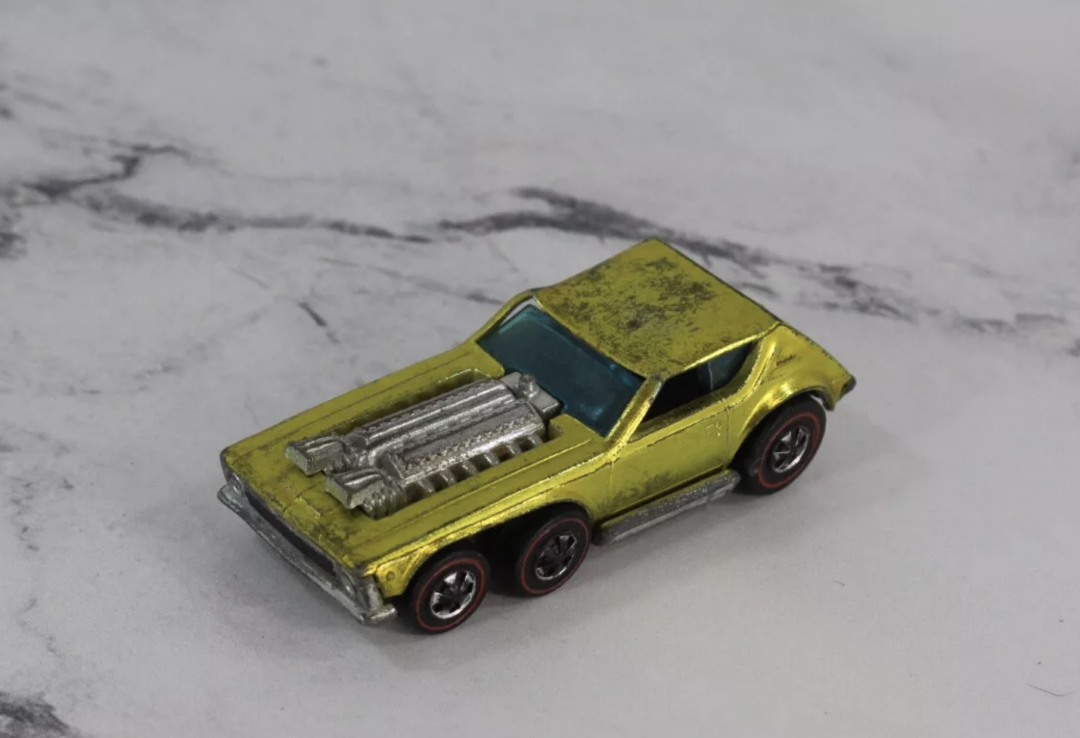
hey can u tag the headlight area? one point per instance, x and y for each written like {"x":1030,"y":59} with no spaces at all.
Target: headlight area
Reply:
{"x":359,"y":595}
{"x":365,"y":592}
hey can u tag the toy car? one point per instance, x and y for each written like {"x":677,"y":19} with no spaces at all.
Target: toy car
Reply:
{"x":580,"y":413}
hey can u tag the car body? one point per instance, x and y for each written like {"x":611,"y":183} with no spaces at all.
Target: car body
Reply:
{"x":619,"y":397}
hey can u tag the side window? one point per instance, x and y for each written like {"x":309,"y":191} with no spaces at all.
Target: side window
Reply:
{"x":702,"y":380}
{"x":724,"y":368}
{"x":680,"y":390}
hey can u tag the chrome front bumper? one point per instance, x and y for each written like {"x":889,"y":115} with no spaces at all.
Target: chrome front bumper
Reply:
{"x":360,"y":596}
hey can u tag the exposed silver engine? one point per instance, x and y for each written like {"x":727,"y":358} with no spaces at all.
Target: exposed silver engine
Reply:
{"x":382,"y":466}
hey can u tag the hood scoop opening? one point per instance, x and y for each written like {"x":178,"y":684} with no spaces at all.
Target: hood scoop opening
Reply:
{"x":382,"y":466}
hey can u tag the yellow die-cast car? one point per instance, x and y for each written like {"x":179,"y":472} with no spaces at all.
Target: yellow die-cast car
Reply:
{"x":580,"y":413}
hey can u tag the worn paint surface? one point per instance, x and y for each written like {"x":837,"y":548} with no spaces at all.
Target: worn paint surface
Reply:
{"x":653,"y":310}
{"x":649,"y":307}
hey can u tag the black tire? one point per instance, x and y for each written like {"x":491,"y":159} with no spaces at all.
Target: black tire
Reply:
{"x":447,"y":590}
{"x":550,"y":548}
{"x":782,"y":447}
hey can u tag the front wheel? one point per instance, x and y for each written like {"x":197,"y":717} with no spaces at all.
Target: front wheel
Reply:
{"x":448,"y":590}
{"x":782,"y":448}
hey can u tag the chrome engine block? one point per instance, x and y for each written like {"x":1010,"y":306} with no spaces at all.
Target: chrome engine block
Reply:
{"x":382,"y":466}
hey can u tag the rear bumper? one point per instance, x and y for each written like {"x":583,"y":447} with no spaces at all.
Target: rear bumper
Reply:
{"x":848,"y":387}
{"x":360,"y":596}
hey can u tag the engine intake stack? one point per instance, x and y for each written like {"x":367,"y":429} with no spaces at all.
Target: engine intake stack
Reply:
{"x":382,"y":466}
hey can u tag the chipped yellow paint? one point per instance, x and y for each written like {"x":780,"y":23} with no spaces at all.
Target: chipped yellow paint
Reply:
{"x":649,"y":308}
{"x":654,"y":311}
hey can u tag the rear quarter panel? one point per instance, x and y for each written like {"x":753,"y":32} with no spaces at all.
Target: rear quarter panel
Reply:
{"x":791,"y":364}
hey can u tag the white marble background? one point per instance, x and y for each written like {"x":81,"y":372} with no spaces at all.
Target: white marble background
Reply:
{"x":215,"y":214}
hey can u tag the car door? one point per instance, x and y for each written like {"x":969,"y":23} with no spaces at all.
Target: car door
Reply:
{"x":684,"y":436}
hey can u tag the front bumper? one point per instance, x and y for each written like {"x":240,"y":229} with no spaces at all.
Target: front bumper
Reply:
{"x":360,"y":596}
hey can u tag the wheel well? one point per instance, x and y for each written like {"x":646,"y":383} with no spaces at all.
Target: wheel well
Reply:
{"x":496,"y":536}
{"x":552,"y":507}
{"x":814,"y":393}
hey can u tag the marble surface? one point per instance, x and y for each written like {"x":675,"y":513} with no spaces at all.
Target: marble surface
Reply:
{"x":216,"y":214}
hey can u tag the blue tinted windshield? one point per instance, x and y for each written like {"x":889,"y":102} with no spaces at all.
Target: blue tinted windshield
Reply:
{"x":591,"y":387}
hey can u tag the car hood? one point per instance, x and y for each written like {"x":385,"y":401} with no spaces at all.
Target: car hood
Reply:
{"x":352,"y":536}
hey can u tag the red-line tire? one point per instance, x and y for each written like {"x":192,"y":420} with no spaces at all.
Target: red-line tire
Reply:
{"x":549,"y":551}
{"x":782,"y":447}
{"x":447,"y":590}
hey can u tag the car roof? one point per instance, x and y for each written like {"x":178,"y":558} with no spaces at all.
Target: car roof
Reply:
{"x":654,"y":311}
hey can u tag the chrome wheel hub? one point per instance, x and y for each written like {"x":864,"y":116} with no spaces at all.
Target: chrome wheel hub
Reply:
{"x":453,"y":593}
{"x":556,"y":556}
{"x":789,"y":449}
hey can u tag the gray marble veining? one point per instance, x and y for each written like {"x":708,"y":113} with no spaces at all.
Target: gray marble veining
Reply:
{"x":203,"y":205}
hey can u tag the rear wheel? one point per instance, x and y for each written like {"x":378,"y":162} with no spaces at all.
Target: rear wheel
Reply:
{"x":447,"y":591}
{"x":781,"y":449}
{"x":549,"y":550}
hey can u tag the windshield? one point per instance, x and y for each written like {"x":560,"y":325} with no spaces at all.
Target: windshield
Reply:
{"x":591,"y":387}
